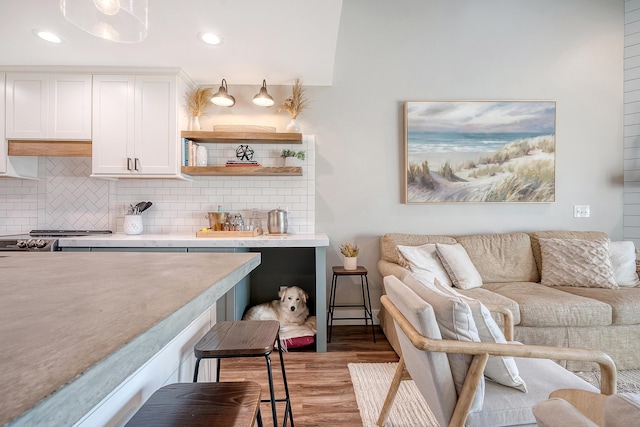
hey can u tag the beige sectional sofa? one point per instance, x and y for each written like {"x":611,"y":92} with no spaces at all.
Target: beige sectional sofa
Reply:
{"x":510,"y":266}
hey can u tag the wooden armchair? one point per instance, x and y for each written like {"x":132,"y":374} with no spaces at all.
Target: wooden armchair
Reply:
{"x":424,"y":359}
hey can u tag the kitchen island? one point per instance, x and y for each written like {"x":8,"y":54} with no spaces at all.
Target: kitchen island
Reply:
{"x":292,"y":259}
{"x":75,"y":326}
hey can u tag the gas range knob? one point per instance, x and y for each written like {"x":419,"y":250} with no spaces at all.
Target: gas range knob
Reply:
{"x":21,"y":244}
{"x":40,"y":243}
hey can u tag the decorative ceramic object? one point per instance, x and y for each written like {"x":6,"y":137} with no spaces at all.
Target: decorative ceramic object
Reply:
{"x":351,"y":263}
{"x":201,"y":156}
{"x":194,"y":124}
{"x":294,"y":126}
{"x":291,"y":161}
{"x":132,"y":224}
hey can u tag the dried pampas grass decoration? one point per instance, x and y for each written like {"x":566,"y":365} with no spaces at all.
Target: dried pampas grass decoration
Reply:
{"x":296,"y":103}
{"x":198,"y":100}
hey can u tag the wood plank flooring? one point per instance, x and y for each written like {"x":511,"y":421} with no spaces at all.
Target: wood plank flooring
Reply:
{"x":319,"y":383}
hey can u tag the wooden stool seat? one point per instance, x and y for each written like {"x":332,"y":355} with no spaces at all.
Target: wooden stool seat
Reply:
{"x":245,"y":338}
{"x":232,"y":404}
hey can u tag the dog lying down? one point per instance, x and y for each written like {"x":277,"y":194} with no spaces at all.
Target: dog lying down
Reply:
{"x":290,"y":310}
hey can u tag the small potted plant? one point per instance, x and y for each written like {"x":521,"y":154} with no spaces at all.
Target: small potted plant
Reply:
{"x":350,"y":252}
{"x":292,"y":157}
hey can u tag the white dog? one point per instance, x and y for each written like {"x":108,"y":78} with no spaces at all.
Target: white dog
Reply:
{"x":291,"y":308}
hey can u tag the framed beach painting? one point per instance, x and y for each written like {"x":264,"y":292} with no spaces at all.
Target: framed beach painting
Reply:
{"x":480,"y":151}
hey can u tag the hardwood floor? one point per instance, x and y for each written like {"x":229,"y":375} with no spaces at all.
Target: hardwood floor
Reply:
{"x":319,"y":383}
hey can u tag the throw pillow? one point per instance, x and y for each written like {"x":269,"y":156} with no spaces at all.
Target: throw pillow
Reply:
{"x":500,"y":369}
{"x":458,"y":265}
{"x":455,"y":322}
{"x":424,"y":263}
{"x":575,"y":262}
{"x":623,"y":259}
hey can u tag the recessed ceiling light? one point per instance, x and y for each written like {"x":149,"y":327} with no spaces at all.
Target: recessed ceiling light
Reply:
{"x":210,"y":38}
{"x":47,"y":36}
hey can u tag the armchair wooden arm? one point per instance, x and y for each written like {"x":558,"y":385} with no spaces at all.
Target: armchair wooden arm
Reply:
{"x":507,"y":317}
{"x":481,"y":353}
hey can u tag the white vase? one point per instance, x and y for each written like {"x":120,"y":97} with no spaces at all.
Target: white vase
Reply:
{"x":201,"y":156}
{"x":291,"y":161}
{"x":194,"y":123}
{"x":294,"y":126}
{"x":132,"y":224}
{"x":351,"y":263}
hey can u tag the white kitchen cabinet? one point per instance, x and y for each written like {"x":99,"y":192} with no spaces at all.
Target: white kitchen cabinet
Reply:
{"x":48,"y":106}
{"x":18,"y":167}
{"x":135,"y":126}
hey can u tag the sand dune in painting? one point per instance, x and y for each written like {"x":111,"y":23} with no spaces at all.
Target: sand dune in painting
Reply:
{"x":521,"y":171}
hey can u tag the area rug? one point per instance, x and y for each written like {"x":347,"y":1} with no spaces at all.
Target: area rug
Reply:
{"x":371,"y":383}
{"x":628,"y":381}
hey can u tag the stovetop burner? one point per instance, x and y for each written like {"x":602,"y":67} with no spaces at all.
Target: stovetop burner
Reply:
{"x":66,"y":233}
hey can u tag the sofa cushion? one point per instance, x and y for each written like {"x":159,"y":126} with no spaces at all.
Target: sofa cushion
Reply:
{"x":576,"y":262}
{"x":624,"y":302}
{"x":389,"y":241}
{"x":504,"y":257}
{"x":583,"y":235}
{"x":461,"y":270}
{"x":492,"y":298}
{"x":424,"y":263}
{"x":543,"y":306}
{"x":623,"y":259}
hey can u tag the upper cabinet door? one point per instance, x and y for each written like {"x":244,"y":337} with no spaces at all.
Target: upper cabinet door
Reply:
{"x":113,"y":125}
{"x":27,"y":106}
{"x":48,"y":106}
{"x":70,"y":107}
{"x":156,"y":141}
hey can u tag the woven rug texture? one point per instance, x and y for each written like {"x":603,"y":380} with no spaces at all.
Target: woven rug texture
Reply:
{"x":371,"y":382}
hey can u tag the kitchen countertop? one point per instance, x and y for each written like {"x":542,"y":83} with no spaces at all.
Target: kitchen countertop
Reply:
{"x":73,"y":326}
{"x":122,"y":240}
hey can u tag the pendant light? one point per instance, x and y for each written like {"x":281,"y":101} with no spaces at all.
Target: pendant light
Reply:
{"x":121,"y":21}
{"x":263,"y":99}
{"x":222,"y":98}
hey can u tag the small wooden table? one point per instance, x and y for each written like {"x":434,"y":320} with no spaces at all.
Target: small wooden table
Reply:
{"x":232,"y":404}
{"x":339,"y":271}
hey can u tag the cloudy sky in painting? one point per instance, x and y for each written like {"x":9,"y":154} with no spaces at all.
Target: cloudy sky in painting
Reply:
{"x":482,"y":116}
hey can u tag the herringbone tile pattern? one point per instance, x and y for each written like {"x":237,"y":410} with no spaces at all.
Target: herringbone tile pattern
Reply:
{"x":73,"y":199}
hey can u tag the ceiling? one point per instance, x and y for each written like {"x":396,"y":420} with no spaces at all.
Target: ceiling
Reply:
{"x":276,"y":40}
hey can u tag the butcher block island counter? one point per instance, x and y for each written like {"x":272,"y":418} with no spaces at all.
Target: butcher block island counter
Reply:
{"x":76,"y":328}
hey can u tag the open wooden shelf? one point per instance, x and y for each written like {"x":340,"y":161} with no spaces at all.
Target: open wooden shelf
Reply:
{"x":225,"y":137}
{"x":242,"y":170}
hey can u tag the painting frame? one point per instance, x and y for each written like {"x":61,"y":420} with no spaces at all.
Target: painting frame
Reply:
{"x":479,"y":151}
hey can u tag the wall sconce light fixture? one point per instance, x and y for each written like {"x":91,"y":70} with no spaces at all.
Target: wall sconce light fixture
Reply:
{"x":222,"y":98}
{"x":263,"y":99}
{"x":113,"y":20}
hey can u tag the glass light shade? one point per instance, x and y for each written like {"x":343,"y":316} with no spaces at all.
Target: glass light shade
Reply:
{"x":222,"y":98}
{"x":122,"y":21}
{"x":263,"y":99}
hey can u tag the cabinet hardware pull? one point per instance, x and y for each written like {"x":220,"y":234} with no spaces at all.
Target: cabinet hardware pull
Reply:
{"x":128,"y":163}
{"x":137,"y":164}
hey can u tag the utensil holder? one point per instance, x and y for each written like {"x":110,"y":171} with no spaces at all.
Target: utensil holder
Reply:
{"x":132,"y":224}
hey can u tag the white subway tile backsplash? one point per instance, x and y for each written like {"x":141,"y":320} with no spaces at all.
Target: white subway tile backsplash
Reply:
{"x":66,"y":197}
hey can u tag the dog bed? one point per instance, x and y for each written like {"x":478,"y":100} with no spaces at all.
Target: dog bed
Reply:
{"x":296,"y":336}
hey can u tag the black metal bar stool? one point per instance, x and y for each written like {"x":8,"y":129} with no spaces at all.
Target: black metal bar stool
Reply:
{"x":366,"y":302}
{"x":245,"y":338}
{"x":231,"y":404}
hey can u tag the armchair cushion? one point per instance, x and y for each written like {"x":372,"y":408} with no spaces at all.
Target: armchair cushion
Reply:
{"x":455,"y":322}
{"x":622,"y":410}
{"x":558,"y":412}
{"x":501,"y":369}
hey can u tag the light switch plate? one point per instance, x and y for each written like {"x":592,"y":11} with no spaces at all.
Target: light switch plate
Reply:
{"x":581,"y":211}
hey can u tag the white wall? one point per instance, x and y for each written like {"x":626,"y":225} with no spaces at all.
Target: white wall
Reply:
{"x":388,"y":52}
